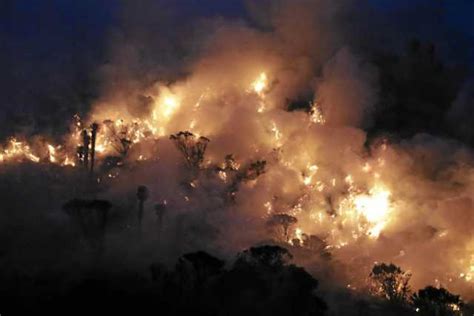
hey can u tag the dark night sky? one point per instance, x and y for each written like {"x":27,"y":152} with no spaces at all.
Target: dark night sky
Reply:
{"x":61,"y":22}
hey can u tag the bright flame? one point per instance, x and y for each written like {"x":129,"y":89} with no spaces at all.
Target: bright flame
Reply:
{"x":375,"y":207}
{"x":69,"y":162}
{"x":308,"y":177}
{"x":299,"y":234}
{"x":52,"y":153}
{"x":165,"y":107}
{"x":17,"y":151}
{"x":260,"y":84}
{"x":170,"y":106}
{"x":332,"y":198}
{"x":317,"y":116}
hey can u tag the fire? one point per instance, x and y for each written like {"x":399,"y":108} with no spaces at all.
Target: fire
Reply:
{"x":166,"y":105}
{"x":276,"y":134}
{"x":299,"y":234}
{"x":375,"y":207}
{"x":17,"y":151}
{"x":170,"y":106}
{"x":259,"y":87}
{"x":308,"y":177}
{"x":69,"y":162}
{"x":260,"y":84}
{"x":467,"y":264}
{"x":370,"y":211}
{"x":52,"y":154}
{"x":344,"y":207}
{"x":316,"y":113}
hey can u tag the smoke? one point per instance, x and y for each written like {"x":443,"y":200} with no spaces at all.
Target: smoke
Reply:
{"x":233,"y":81}
{"x":236,"y":91}
{"x":354,"y":107}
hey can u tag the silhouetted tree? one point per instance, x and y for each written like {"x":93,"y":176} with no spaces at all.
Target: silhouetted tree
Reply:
{"x":230,"y":164}
{"x":261,"y":282}
{"x":267,"y":256}
{"x":192,"y":148}
{"x":94,"y":129}
{"x":437,"y":302}
{"x":121,"y":136}
{"x":228,"y":169}
{"x":255,"y":169}
{"x":83,"y":151}
{"x":390,"y":282}
{"x":251,"y":172}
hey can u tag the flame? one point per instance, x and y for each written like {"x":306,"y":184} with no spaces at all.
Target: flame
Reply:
{"x":375,"y":207}
{"x":170,"y":106}
{"x":17,"y":151}
{"x":307,"y":179}
{"x":260,"y":84}
{"x":276,"y":134}
{"x":369,"y":212}
{"x":467,"y":264}
{"x":259,"y":87}
{"x":317,"y":116}
{"x":166,"y":107}
{"x":69,"y":162}
{"x":52,"y":153}
{"x":299,"y":234}
{"x":356,"y":209}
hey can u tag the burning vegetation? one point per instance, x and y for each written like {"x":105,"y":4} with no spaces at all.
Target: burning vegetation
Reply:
{"x":345,"y":207}
{"x":255,"y":145}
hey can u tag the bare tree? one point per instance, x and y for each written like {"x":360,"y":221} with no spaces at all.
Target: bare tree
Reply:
{"x":192,"y":148}
{"x":251,"y":172}
{"x":86,"y":151}
{"x":120,"y":136}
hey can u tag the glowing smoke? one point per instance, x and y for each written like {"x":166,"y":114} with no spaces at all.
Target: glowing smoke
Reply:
{"x":399,"y":202}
